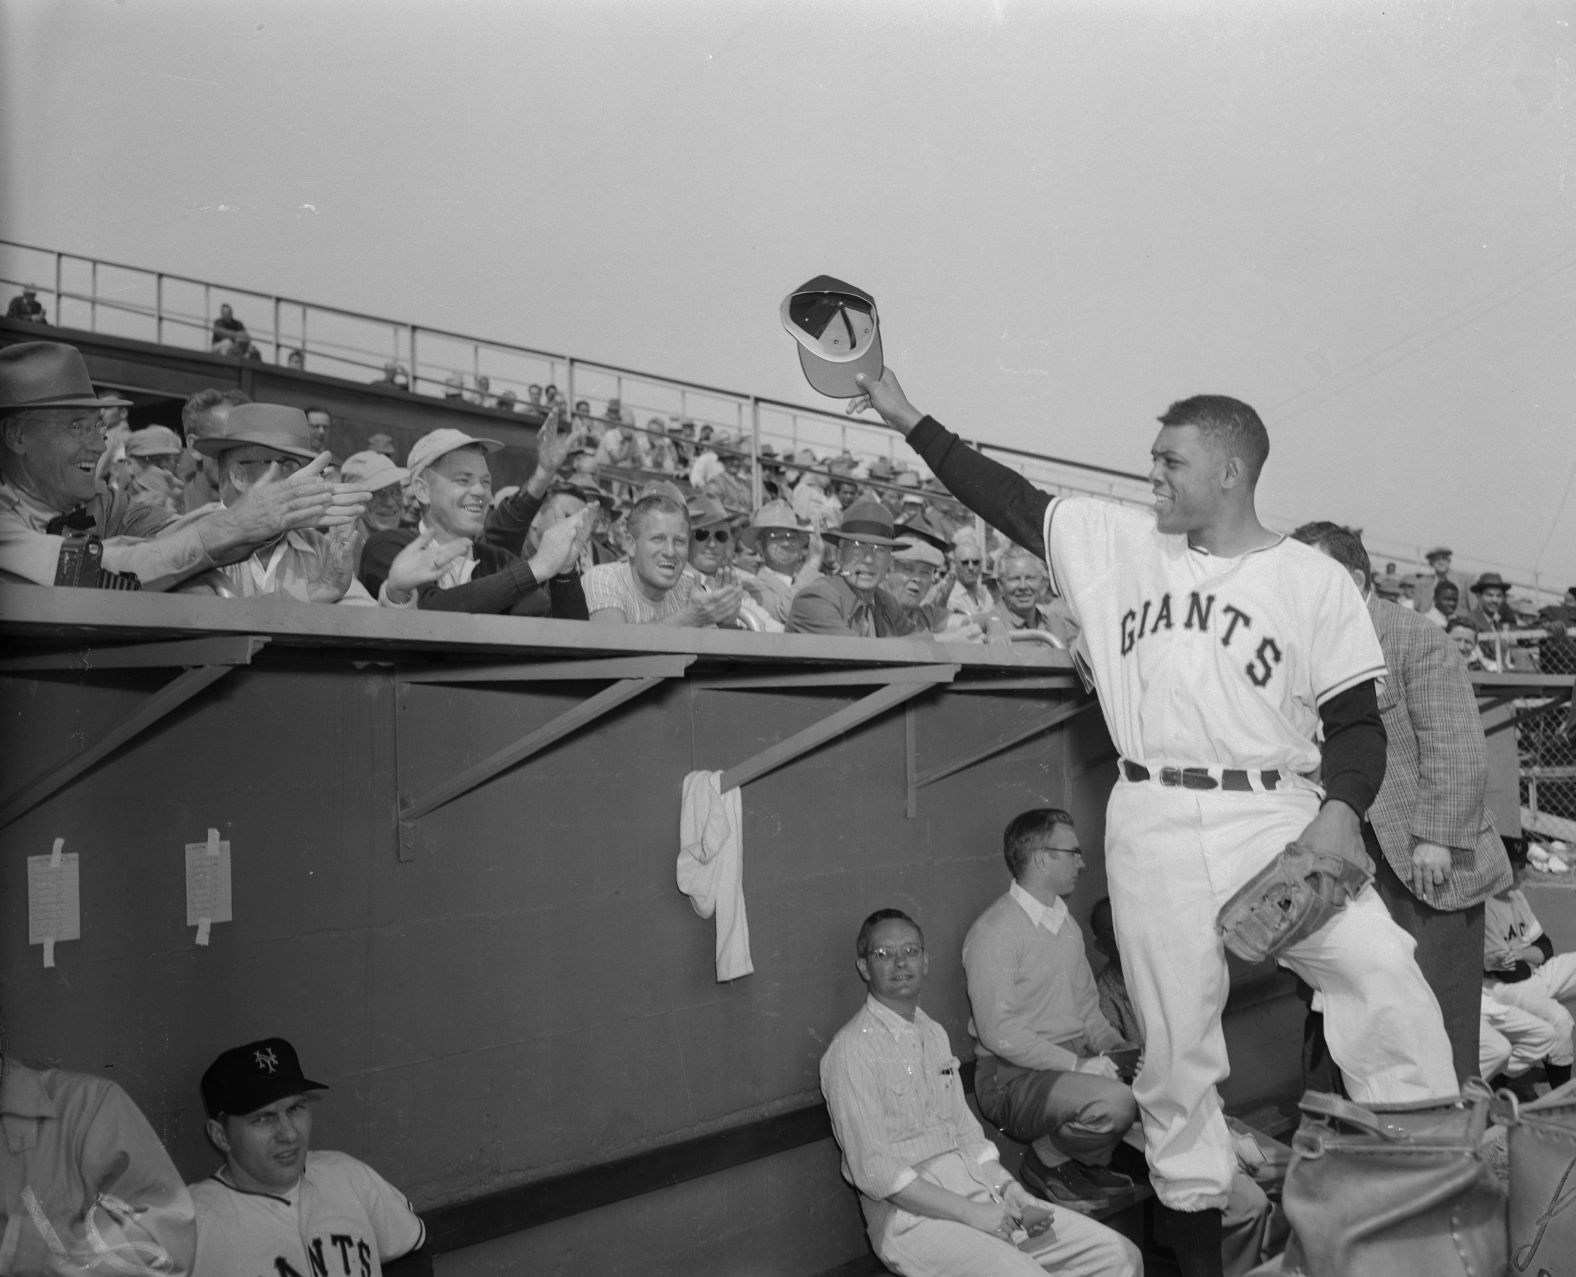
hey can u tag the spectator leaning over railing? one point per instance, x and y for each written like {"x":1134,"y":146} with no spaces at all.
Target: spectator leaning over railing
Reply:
{"x":451,"y":481}
{"x":650,"y":587}
{"x":790,"y":557}
{"x":1022,"y":579}
{"x":853,"y":602}
{"x":711,"y":566}
{"x":1493,"y":616}
{"x":1463,"y":631}
{"x":262,"y":444}
{"x":152,"y":457}
{"x":970,"y":595}
{"x":202,"y":415}
{"x":51,"y":437}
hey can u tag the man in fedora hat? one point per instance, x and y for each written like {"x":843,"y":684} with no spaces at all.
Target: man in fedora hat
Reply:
{"x":790,"y":557}
{"x":51,"y":439}
{"x":1491,"y":611}
{"x":275,"y":1206}
{"x":853,"y":602}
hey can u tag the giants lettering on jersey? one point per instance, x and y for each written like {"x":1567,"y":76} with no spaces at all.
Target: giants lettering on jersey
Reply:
{"x":347,"y":1256}
{"x":1198,"y":612}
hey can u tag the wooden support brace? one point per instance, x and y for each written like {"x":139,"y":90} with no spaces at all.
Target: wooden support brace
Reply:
{"x":556,"y":671}
{"x":1059,"y":682}
{"x":816,"y":735}
{"x":588,"y":711}
{"x":1525,"y":716}
{"x":822,"y":678}
{"x":221,"y":650}
{"x":1060,"y":715}
{"x":168,"y":698}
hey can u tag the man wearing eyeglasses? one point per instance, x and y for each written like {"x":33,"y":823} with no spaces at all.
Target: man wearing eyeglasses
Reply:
{"x":853,"y":603}
{"x":935,"y":1196}
{"x":51,"y":440}
{"x":970,"y":595}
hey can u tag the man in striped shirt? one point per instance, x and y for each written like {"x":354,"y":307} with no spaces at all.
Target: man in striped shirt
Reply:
{"x":935,"y":1196}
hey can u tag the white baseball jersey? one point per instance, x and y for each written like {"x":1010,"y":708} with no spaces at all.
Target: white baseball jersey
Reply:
{"x":342,"y":1219}
{"x":1200,"y":660}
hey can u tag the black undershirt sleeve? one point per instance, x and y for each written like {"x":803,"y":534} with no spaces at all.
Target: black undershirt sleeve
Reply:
{"x":1002,"y":497}
{"x":1354,"y":747}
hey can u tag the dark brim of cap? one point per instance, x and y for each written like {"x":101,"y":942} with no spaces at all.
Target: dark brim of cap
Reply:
{"x":835,"y":378}
{"x":250,"y":1098}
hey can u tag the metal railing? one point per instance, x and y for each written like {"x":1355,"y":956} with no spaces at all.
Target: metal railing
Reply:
{"x":117,"y":299}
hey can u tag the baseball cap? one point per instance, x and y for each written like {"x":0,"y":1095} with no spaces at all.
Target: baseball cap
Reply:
{"x":245,"y":1078}
{"x":838,"y":332}
{"x":372,"y":470}
{"x":154,"y":441}
{"x":439,"y":443}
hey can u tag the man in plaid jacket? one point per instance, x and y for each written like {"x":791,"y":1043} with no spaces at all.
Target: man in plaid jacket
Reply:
{"x":1436,"y":852}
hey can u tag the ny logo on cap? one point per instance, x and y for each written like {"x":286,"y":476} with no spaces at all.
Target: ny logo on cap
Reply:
{"x":266,"y":1059}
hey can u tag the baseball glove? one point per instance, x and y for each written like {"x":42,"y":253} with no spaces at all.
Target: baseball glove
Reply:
{"x":1290,"y":898}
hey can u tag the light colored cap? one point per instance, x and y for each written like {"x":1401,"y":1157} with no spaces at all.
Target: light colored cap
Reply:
{"x":371,"y":470}
{"x":441,"y":442}
{"x":154,"y":441}
{"x":913,"y":550}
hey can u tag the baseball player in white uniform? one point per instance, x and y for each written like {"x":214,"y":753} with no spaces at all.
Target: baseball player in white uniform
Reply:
{"x":1218,"y":649}
{"x":275,"y":1208}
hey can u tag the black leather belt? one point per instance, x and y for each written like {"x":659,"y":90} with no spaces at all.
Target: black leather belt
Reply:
{"x":1202,"y":778}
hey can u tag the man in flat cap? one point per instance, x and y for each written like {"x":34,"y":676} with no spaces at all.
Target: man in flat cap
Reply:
{"x":275,"y":1206}
{"x":51,"y":439}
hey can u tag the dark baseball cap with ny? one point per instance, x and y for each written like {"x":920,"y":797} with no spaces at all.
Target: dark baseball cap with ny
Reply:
{"x":245,"y":1078}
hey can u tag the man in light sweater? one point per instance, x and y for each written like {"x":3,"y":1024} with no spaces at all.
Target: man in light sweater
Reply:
{"x":1042,"y":1073}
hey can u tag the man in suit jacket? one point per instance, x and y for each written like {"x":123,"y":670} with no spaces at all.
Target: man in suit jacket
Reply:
{"x":1437,"y":855}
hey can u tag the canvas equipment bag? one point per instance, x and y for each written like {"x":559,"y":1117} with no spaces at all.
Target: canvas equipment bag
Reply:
{"x":1541,"y":1137}
{"x":1394,"y":1190}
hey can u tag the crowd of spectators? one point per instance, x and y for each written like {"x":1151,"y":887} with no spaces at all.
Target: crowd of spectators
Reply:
{"x":618,"y":523}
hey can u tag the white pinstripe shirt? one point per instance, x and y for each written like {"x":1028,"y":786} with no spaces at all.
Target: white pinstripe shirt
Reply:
{"x":893,"y":1091}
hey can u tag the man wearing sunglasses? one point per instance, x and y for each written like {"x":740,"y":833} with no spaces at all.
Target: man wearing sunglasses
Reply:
{"x":970,"y":595}
{"x":854,"y":602}
{"x":935,"y":1196}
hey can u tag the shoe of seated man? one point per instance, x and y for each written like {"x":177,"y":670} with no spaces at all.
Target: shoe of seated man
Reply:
{"x":1115,"y":1185}
{"x":1062,"y":1185}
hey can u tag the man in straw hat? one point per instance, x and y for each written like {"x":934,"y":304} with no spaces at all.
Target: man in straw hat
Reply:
{"x":853,"y":602}
{"x":790,"y":557}
{"x":51,"y":438}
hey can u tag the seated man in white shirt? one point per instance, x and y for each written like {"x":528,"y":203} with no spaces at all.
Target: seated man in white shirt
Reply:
{"x":275,"y":1206}
{"x":935,"y":1196}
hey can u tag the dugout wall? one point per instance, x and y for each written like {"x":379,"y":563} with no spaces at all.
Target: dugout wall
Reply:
{"x":516,"y":1007}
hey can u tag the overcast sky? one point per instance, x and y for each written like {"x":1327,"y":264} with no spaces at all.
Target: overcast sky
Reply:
{"x":1361,"y":219}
